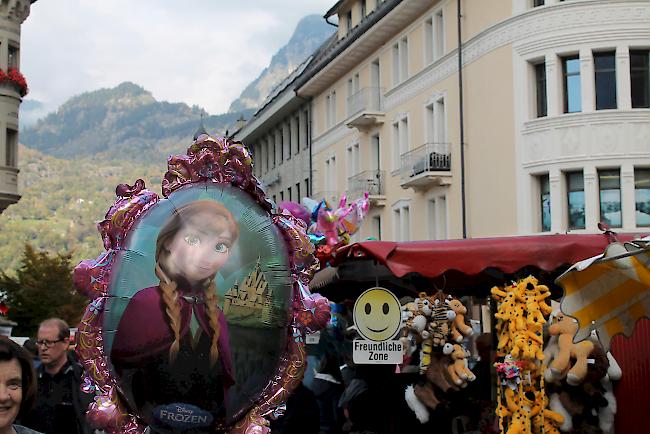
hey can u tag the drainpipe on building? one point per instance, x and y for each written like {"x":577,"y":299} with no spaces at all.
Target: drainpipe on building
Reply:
{"x":327,"y":20}
{"x":311,"y":158}
{"x":462,"y":127}
{"x":308,"y":101}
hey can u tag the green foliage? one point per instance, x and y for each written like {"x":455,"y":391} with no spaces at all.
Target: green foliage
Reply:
{"x":41,"y":289}
{"x":61,"y":203}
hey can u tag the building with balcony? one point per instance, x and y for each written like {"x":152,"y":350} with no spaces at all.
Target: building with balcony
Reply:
{"x":12,"y":88}
{"x":554,"y":126}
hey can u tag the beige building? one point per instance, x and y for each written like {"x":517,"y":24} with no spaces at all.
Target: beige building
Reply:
{"x":12,"y":14}
{"x":555,"y":119}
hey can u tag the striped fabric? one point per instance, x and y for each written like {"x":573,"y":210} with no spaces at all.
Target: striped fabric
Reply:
{"x":609,"y":293}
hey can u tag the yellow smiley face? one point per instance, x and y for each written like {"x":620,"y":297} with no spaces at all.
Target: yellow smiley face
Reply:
{"x":377,"y":314}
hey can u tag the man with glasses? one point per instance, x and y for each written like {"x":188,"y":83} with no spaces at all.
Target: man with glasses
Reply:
{"x":60,"y":405}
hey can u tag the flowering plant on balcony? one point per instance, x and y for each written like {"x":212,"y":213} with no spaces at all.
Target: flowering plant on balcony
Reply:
{"x":14,"y":77}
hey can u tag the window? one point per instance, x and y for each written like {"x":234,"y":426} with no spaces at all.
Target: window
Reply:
{"x":273,"y":148}
{"x":429,"y":41}
{"x":436,"y":125}
{"x":330,"y":109}
{"x":640,"y":78}
{"x":545,"y":202}
{"x":286,"y":138}
{"x":609,"y":183}
{"x":289,"y":194}
{"x":363,"y":9}
{"x":348,"y":20}
{"x":400,"y":140}
{"x":538,"y":3}
{"x":540,"y":87}
{"x":330,"y":174}
{"x":279,"y":138}
{"x":298,"y":195}
{"x":295,"y":134}
{"x":402,"y":223}
{"x":12,"y":143}
{"x":400,"y":61}
{"x":375,"y":163}
{"x":576,"y":200}
{"x":353,"y":89}
{"x":437,"y":218}
{"x":396,"y":79}
{"x":12,"y":60}
{"x":275,"y":199}
{"x":376,"y":227}
{"x":642,"y":196}
{"x":304,"y":132}
{"x":440,"y":134}
{"x":404,"y":59}
{"x":572,"y":93}
{"x":353,"y":160}
{"x":307,"y":192}
{"x":439,"y":35}
{"x":281,"y":195}
{"x":605,"y":77}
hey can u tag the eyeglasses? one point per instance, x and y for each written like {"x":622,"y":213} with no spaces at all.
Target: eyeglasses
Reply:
{"x":47,"y":344}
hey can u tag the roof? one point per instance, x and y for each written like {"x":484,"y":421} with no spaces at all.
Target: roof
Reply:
{"x":334,"y":9}
{"x":473,"y":256}
{"x":336,"y":46}
{"x":470,"y":266}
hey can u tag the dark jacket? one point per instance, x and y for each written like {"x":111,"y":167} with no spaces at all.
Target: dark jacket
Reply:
{"x":60,"y":406}
{"x":328,"y":393}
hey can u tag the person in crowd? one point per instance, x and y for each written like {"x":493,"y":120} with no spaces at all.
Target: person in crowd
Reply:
{"x":328,"y":387}
{"x":17,"y":386}
{"x":32,"y":349}
{"x":61,"y":405}
{"x":301,"y":415}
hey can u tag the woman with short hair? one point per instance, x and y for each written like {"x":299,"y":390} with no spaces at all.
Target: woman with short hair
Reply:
{"x":17,"y":386}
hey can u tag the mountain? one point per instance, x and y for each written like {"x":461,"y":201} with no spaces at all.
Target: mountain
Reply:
{"x":122,"y":123}
{"x":310,"y":33}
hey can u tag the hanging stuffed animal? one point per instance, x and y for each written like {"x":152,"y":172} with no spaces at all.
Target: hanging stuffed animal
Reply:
{"x":565,"y":328}
{"x":459,"y":330}
{"x":439,"y":326}
{"x":458,"y":370}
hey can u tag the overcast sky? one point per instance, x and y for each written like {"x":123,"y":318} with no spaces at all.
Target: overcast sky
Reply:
{"x":201,"y":52}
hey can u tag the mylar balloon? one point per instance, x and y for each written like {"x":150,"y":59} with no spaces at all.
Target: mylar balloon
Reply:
{"x":200,"y":301}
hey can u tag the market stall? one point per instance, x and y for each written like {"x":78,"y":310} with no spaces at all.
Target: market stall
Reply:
{"x":468,"y":270}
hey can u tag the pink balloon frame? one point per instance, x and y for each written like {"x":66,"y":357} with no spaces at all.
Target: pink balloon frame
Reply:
{"x":212,"y":160}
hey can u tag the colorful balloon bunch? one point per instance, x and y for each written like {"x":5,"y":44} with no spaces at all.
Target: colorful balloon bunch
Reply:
{"x":329,"y":228}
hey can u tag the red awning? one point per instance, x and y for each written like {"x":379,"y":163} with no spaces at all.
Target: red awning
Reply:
{"x":472,"y":256}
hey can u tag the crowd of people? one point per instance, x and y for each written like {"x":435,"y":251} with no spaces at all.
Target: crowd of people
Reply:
{"x":40,"y":384}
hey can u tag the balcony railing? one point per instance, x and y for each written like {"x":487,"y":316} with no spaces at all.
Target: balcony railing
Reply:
{"x":429,"y":164}
{"x":371,"y":181}
{"x":365,"y":108}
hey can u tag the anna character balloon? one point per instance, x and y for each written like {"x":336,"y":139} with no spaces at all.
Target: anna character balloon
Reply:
{"x":172,"y":342}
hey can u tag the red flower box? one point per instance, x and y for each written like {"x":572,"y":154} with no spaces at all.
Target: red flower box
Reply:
{"x":13,"y":76}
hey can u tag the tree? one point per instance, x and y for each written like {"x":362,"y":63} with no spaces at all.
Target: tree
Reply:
{"x":41,"y":289}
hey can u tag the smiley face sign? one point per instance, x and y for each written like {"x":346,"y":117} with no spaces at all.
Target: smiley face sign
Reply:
{"x":377,"y":314}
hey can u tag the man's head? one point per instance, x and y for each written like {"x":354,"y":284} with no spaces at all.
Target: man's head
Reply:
{"x":53,"y":339}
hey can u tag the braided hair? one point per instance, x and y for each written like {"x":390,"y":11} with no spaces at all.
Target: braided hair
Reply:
{"x":168,"y":286}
